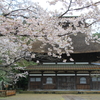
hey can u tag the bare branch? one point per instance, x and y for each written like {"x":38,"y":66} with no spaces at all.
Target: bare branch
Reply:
{"x":20,"y":16}
{"x":86,"y":6}
{"x":77,"y":8}
{"x":23,"y":9}
{"x":67,"y":9}
{"x":13,"y":11}
{"x":92,"y":23}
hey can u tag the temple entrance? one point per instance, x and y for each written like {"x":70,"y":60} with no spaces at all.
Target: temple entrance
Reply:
{"x":96,"y":83}
{"x":35,"y":83}
{"x":66,"y":82}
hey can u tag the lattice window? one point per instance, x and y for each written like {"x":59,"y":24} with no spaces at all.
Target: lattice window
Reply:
{"x":49,"y":80}
{"x":35,"y":79}
{"x":82,"y":80}
{"x":32,"y":79}
{"x":99,"y":79}
{"x":94,"y":79}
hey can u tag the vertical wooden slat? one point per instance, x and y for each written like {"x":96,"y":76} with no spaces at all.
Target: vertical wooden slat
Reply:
{"x":75,"y":82}
{"x":42,"y":80}
{"x":90,"y":80}
{"x":56,"y":80}
{"x":28,"y":80}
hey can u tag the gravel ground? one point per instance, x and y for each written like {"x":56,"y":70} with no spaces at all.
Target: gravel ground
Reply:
{"x":53,"y":97}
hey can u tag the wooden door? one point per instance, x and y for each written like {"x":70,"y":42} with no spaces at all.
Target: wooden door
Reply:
{"x":70,"y":83}
{"x":96,"y":83}
{"x":35,"y":83}
{"x":67,"y":83}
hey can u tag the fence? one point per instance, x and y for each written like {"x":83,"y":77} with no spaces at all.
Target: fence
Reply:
{"x":4,"y":93}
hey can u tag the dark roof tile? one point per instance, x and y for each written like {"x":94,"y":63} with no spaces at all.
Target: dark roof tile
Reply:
{"x":64,"y":67}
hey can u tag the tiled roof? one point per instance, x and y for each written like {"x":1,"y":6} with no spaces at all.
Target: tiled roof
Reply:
{"x":79,"y":45}
{"x":64,"y":67}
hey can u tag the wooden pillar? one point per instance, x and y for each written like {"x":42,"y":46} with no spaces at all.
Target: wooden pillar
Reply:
{"x":90,"y":80}
{"x":2,"y":85}
{"x":75,"y":80}
{"x":56,"y":80}
{"x":97,"y":82}
{"x":42,"y":80}
{"x":28,"y":80}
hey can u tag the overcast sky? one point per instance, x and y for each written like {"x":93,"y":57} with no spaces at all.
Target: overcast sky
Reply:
{"x":58,"y":6}
{"x":45,"y":5}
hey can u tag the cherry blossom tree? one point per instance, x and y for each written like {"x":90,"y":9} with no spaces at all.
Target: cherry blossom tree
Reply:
{"x":10,"y":75}
{"x":22,"y":23}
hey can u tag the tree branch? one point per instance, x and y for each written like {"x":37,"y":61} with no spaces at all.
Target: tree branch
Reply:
{"x":77,"y":8}
{"x":20,"y":16}
{"x":1,"y":68}
{"x":67,"y":9}
{"x":23,"y":9}
{"x":92,"y":23}
{"x":15,"y":60}
{"x":86,"y":6}
{"x":13,"y":11}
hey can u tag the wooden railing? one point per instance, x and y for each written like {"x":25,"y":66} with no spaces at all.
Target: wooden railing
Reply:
{"x":4,"y":93}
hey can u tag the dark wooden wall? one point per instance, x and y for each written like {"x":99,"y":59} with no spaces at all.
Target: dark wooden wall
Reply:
{"x":84,"y":57}
{"x":65,"y":82}
{"x":83,"y":86}
{"x":49,"y":86}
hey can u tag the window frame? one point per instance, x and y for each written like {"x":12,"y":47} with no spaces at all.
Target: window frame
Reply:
{"x":94,"y":79}
{"x":35,"y":79}
{"x":98,"y":79}
{"x":83,"y":80}
{"x":49,"y":80}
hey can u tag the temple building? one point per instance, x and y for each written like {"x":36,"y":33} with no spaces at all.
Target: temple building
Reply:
{"x":81,"y":74}
{"x":67,"y":76}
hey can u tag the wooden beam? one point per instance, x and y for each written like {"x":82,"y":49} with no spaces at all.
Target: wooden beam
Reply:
{"x":42,"y":80}
{"x":56,"y":80}
{"x":28,"y":80}
{"x":90,"y":79}
{"x":75,"y":80}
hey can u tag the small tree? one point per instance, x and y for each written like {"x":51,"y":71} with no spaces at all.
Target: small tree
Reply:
{"x":9,"y":76}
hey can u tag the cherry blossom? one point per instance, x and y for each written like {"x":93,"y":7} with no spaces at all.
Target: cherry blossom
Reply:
{"x":23,"y":23}
{"x":27,"y":22}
